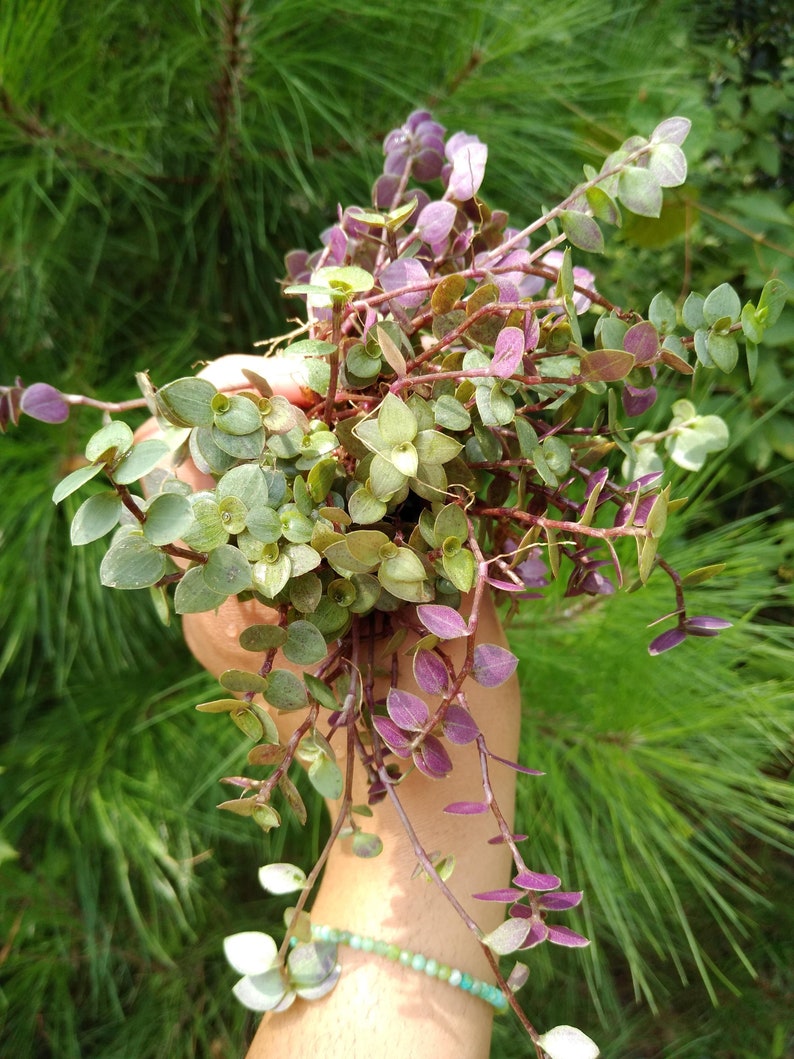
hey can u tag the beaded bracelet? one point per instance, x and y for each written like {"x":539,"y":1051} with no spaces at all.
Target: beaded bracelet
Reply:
{"x":415,"y":960}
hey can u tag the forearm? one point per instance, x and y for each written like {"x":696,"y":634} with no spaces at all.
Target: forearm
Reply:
{"x":377,"y":1000}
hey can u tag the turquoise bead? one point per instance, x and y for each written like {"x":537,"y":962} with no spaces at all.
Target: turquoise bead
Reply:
{"x":417,"y":961}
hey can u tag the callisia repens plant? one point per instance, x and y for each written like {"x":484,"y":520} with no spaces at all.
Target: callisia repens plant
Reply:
{"x":467,"y":427}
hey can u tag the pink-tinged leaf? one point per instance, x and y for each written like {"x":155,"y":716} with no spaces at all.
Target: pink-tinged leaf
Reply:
{"x":459,"y":726}
{"x":705,"y":625}
{"x":605,"y":365}
{"x":566,"y":936}
{"x":671,"y":130}
{"x":636,"y":401}
{"x":443,"y":622}
{"x":499,"y":840}
{"x":597,"y":478}
{"x":559,"y":902}
{"x":518,"y":977}
{"x":521,"y":911}
{"x":42,"y":401}
{"x":667,"y":641}
{"x":493,"y":665}
{"x":508,"y":352}
{"x":505,"y":895}
{"x":435,"y":222}
{"x":508,"y":936}
{"x":531,"y":331}
{"x":468,"y":170}
{"x":391,"y":735}
{"x":405,"y":272}
{"x":507,"y":586}
{"x":430,"y":672}
{"x":642,"y":340}
{"x":432,"y":759}
{"x":538,"y":933}
{"x":582,"y":231}
{"x":466,"y":808}
{"x":515,"y":765}
{"x":534,"y":880}
{"x":407,"y":710}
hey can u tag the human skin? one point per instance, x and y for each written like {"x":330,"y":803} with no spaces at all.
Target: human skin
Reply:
{"x":379,"y":1005}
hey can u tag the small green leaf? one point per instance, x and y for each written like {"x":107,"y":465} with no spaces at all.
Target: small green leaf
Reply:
{"x":262,"y":637}
{"x":320,"y":691}
{"x":95,"y":517}
{"x":364,"y":508}
{"x":662,"y":314}
{"x":703,"y":573}
{"x":450,"y":413}
{"x":396,"y":421}
{"x":722,"y":302}
{"x":270,"y":577}
{"x":242,"y":681}
{"x":168,"y":517}
{"x":692,"y":312}
{"x":326,"y":777}
{"x":282,"y":878}
{"x":723,"y":350}
{"x":366,"y":845}
{"x":193,"y":596}
{"x":772,"y":301}
{"x":187,"y":402}
{"x":285,"y":691}
{"x":132,"y":562}
{"x":305,"y":644}
{"x":582,"y":231}
{"x":139,"y":461}
{"x":109,"y":443}
{"x":640,"y":191}
{"x":72,"y":482}
{"x":227,"y":571}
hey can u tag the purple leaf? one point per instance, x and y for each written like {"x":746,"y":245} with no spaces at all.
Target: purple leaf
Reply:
{"x":459,"y":726}
{"x":636,"y":401}
{"x":521,"y":911}
{"x":705,"y":625}
{"x":466,"y":808}
{"x":538,"y":933}
{"x":503,"y":896}
{"x":468,"y":168}
{"x":435,"y":222}
{"x":534,"y":880}
{"x":443,"y":622}
{"x":643,"y":341}
{"x":42,"y":401}
{"x":430,"y":672}
{"x":508,"y":352}
{"x":499,"y":840}
{"x":560,"y":901}
{"x":515,"y":766}
{"x":596,"y":478}
{"x":567,"y":937}
{"x":407,"y":710}
{"x":432,"y":759}
{"x":493,"y":665}
{"x":506,"y":586}
{"x":667,"y":640}
{"x":405,"y":272}
{"x":391,"y":735}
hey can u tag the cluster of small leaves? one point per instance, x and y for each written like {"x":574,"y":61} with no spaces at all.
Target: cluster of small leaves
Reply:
{"x":467,"y":393}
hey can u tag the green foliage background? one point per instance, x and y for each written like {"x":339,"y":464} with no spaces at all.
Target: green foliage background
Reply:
{"x":156,"y":161}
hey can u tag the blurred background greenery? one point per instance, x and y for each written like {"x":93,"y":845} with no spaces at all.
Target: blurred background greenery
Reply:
{"x":156,"y":161}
